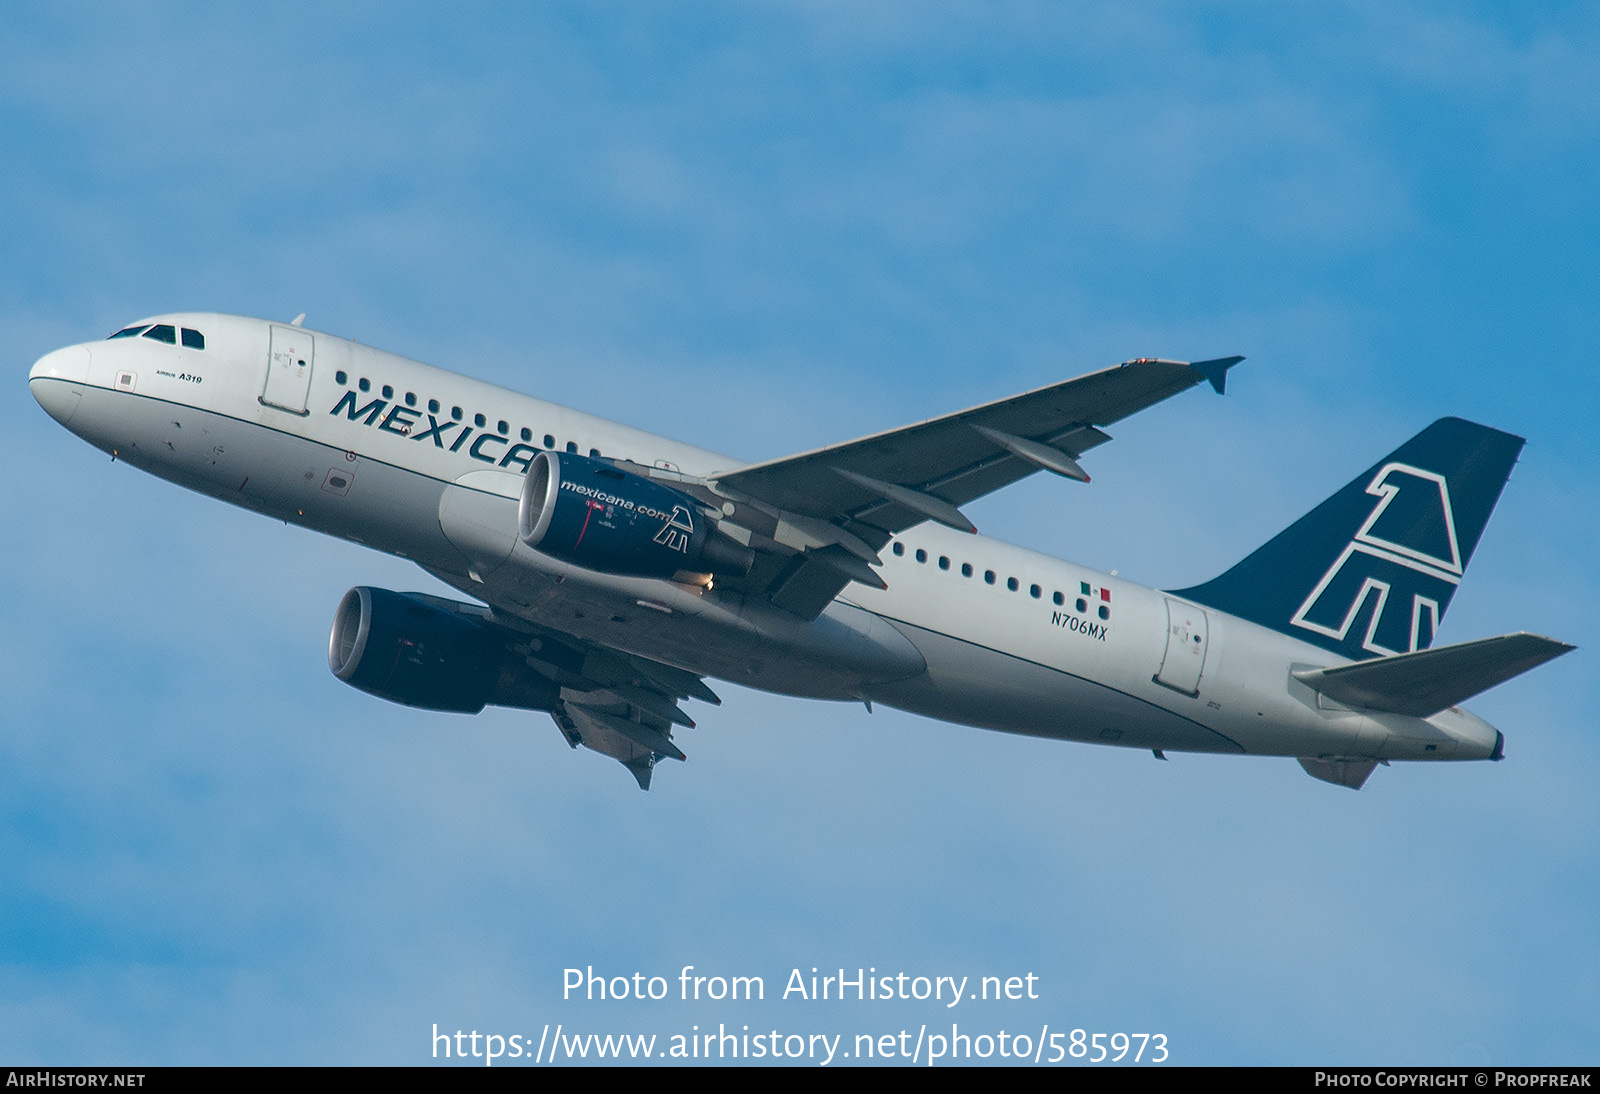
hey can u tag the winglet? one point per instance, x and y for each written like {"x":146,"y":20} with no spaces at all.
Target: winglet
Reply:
{"x":1216,"y":371}
{"x":640,"y":769}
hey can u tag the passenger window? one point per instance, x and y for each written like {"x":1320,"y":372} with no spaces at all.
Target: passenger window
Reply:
{"x":340,"y":378}
{"x":922,"y":556}
{"x":455,"y":413}
{"x":1058,"y":599}
{"x":944,"y":562}
{"x":899,"y":549}
{"x":433,"y":406}
{"x":1035,"y":592}
{"x":128,"y":332}
{"x":549,"y":441}
{"x":527,"y":434}
{"x":966,"y":569}
{"x":572,"y":446}
{"x":193,"y":339}
{"x":504,"y":429}
{"x":364,"y":384}
{"x":1011,"y":583}
{"x":163,"y":332}
{"x":388,"y":391}
{"x":411,"y":399}
{"x":479,"y":420}
{"x":988,"y":577}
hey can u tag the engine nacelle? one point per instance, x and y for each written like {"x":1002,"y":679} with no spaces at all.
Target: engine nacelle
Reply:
{"x":586,"y":511}
{"x":431,"y":653}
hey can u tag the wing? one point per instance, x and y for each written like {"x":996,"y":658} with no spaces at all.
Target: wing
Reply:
{"x":615,"y":703}
{"x":626,"y":707}
{"x":834,"y":508}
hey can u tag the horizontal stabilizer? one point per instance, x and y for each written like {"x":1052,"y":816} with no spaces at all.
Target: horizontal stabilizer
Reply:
{"x":1340,"y":772}
{"x":1428,"y":681}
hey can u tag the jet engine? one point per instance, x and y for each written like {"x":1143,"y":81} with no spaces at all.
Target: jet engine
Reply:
{"x":591,"y":513}
{"x":424,"y":651}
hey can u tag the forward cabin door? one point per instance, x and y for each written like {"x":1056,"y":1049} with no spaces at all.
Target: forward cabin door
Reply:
{"x":289,"y":363}
{"x":1185,"y":659}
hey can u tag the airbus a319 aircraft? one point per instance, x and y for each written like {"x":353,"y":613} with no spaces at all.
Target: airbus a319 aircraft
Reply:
{"x":612,"y":570}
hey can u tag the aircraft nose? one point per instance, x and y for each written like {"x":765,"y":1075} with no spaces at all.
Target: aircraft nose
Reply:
{"x":56,"y":380}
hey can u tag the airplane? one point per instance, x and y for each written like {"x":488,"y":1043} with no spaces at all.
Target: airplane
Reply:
{"x":612,"y":571}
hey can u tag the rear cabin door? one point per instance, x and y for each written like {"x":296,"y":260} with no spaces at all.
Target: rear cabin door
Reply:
{"x":289,"y":363}
{"x":1185,"y":658}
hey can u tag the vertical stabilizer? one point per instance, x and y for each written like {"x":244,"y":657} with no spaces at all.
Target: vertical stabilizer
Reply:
{"x":1370,"y":571}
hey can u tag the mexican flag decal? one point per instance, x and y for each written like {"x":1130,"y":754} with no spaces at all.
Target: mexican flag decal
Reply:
{"x":1089,"y":592}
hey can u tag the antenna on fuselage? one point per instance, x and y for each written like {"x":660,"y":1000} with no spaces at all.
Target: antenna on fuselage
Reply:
{"x":297,"y":320}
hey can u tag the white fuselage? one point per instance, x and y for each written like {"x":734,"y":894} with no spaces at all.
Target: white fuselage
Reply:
{"x":427,"y":464}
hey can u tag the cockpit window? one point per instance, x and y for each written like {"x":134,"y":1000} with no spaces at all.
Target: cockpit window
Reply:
{"x":193,"y":339}
{"x":163,"y":332}
{"x":129,"y":332}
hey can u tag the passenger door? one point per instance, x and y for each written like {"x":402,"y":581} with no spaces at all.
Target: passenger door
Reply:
{"x":289,"y":363}
{"x":1185,"y":658}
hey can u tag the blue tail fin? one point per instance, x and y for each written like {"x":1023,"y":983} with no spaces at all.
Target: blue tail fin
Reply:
{"x":1370,"y":571}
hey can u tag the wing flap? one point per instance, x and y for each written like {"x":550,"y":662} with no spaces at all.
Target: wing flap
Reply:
{"x":814,"y":578}
{"x":1427,"y":681}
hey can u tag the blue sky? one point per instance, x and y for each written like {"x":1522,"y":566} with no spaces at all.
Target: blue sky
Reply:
{"x":762,"y":228}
